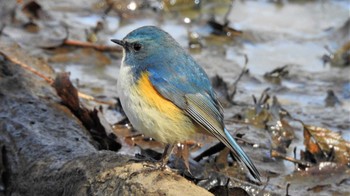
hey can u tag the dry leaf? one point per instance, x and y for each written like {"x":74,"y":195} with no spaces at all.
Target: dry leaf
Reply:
{"x":326,"y":145}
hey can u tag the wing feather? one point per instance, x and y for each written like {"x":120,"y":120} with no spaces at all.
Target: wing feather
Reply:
{"x":203,"y":107}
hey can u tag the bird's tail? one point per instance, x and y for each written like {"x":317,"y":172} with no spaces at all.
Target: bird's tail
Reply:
{"x":241,"y":155}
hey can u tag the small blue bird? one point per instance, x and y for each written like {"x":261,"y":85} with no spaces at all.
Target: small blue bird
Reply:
{"x":167,"y":95}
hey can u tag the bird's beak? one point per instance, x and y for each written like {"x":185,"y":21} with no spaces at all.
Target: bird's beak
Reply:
{"x":119,"y":42}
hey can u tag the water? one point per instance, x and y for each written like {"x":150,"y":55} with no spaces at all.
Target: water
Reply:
{"x":303,"y":20}
{"x":264,"y":57}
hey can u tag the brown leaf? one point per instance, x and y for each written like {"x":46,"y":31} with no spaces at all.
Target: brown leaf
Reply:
{"x":326,"y":145}
{"x":90,"y":119}
{"x":66,"y":91}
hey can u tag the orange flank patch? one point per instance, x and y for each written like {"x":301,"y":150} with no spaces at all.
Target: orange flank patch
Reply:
{"x":159,"y":117}
{"x":154,"y":99}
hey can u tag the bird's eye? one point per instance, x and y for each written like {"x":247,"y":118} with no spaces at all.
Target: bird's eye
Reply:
{"x":137,"y":46}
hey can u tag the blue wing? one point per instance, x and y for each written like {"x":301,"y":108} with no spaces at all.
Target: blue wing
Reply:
{"x":189,"y":88}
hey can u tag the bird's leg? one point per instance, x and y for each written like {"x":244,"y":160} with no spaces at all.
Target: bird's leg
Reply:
{"x":161,"y":165}
{"x":165,"y":156}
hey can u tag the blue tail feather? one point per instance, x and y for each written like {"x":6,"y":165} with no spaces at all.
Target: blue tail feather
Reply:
{"x":241,"y":155}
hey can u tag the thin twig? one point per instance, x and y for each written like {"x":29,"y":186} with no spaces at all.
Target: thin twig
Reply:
{"x":287,"y":189}
{"x":91,"y":98}
{"x":291,"y":159}
{"x":49,"y":80}
{"x":27,"y":67}
{"x":244,"y":69}
{"x":226,"y":21}
{"x":91,"y":45}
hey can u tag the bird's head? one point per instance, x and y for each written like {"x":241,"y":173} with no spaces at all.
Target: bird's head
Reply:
{"x":147,"y":44}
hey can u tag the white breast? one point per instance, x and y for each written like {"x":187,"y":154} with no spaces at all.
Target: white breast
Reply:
{"x":128,"y":97}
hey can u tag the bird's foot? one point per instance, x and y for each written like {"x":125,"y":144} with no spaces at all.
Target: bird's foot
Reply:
{"x":142,"y":158}
{"x":152,"y":167}
{"x":159,"y":165}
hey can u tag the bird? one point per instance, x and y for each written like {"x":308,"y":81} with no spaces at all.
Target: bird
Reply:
{"x":166,"y":95}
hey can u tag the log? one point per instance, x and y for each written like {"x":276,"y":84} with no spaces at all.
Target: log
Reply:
{"x":46,"y":150}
